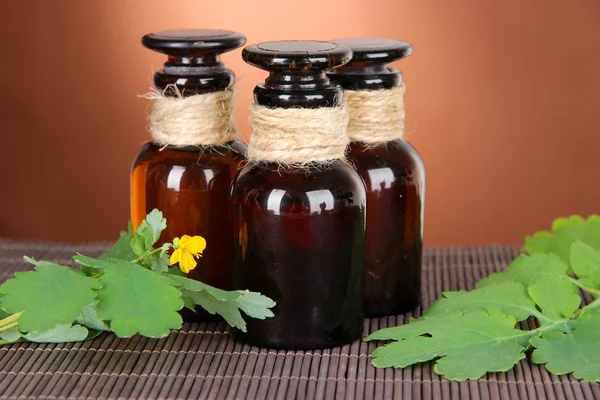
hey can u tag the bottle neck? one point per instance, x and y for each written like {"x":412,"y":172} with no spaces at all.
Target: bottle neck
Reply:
{"x":360,"y":76}
{"x":294,"y":89}
{"x":193,"y":75}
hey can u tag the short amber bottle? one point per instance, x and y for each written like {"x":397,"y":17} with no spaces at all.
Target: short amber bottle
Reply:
{"x":300,"y":232}
{"x":395,"y":179}
{"x":191,"y":184}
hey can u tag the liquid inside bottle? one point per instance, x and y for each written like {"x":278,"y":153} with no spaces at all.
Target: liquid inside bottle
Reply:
{"x":394,"y":176}
{"x":300,"y":232}
{"x":191,"y":184}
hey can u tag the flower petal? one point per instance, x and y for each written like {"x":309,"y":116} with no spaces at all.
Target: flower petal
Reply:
{"x":176,"y":256}
{"x":196,"y":245}
{"x":183,"y":242}
{"x":187,"y":262}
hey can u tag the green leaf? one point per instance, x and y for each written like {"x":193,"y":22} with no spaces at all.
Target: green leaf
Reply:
{"x":189,"y":303}
{"x":158,"y":262}
{"x":10,"y":335}
{"x":585,"y":262}
{"x":255,"y":305}
{"x":225,"y":303}
{"x":89,"y":318}
{"x":575,"y":350}
{"x":527,"y":269}
{"x":509,"y":297}
{"x":565,"y":232}
{"x":122,"y":247}
{"x":227,"y":309}
{"x":148,"y":232}
{"x":197,"y":286}
{"x":49,"y":296}
{"x":556,"y":296}
{"x":467,"y":344}
{"x":92,"y":267}
{"x":175,"y":271}
{"x":136,"y":300}
{"x":59,"y":334}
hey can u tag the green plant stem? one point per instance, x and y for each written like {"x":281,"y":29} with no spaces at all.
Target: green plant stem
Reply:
{"x":584,"y":287}
{"x":140,"y":258}
{"x":10,"y":322}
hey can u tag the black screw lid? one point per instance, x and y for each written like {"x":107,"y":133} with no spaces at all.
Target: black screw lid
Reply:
{"x":368,"y":70}
{"x":193,"y":42}
{"x":297,"y":72}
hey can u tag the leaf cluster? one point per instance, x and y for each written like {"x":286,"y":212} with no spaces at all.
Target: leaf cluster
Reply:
{"x":472,"y":333}
{"x":129,"y":290}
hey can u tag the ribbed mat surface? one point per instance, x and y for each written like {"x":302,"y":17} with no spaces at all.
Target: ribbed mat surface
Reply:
{"x":203,"y":361}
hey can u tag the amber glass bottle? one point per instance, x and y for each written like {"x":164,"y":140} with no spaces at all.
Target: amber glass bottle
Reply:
{"x":395,"y":179}
{"x":191,"y":184}
{"x":300,"y":232}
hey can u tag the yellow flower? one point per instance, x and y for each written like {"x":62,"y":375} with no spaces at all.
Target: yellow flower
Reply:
{"x":186,"y":249}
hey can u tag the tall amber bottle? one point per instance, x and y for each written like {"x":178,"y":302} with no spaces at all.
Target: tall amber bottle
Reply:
{"x":393,"y":173}
{"x":191,"y":183}
{"x":299,"y":231}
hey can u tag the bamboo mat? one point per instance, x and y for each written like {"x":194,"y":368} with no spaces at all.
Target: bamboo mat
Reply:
{"x":203,"y":361}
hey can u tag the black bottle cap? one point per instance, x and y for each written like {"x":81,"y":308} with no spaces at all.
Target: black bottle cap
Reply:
{"x":368,"y":68}
{"x":194,"y":65}
{"x":193,"y":42}
{"x":297,"y":72}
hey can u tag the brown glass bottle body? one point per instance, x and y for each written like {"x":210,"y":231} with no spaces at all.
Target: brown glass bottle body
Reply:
{"x":394,"y":176}
{"x":299,"y":239}
{"x":300,"y":232}
{"x":191,"y":185}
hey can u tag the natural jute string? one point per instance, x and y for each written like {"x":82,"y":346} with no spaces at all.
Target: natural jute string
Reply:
{"x":298,"y":136}
{"x":376,"y":116}
{"x":198,"y":120}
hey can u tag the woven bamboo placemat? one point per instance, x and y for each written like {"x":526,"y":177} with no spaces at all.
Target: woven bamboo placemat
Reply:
{"x":203,"y":361}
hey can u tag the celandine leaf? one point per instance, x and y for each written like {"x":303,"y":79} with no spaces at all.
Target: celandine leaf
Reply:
{"x":575,"y":350}
{"x":527,"y":269}
{"x":89,"y":318}
{"x":226,"y":309}
{"x":122,"y":247}
{"x":468,"y":344}
{"x":59,"y":334}
{"x":585,"y":262}
{"x":225,"y":303}
{"x":137,"y":300}
{"x":556,"y":296}
{"x":49,"y":296}
{"x":509,"y":297}
{"x":255,"y":305}
{"x":10,"y":335}
{"x":565,"y":232}
{"x":148,"y":232}
{"x":158,"y":262}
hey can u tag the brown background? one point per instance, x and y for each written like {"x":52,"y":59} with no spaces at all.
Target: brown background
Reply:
{"x":502,"y":103}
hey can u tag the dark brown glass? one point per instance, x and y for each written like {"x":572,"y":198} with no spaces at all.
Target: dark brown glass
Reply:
{"x":394,"y":176}
{"x":300,"y":233}
{"x":191,"y":185}
{"x":395,"y":179}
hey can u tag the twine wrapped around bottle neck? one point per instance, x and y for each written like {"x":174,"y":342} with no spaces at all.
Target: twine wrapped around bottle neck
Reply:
{"x":376,"y":116}
{"x":199,"y":120}
{"x":298,"y":137}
